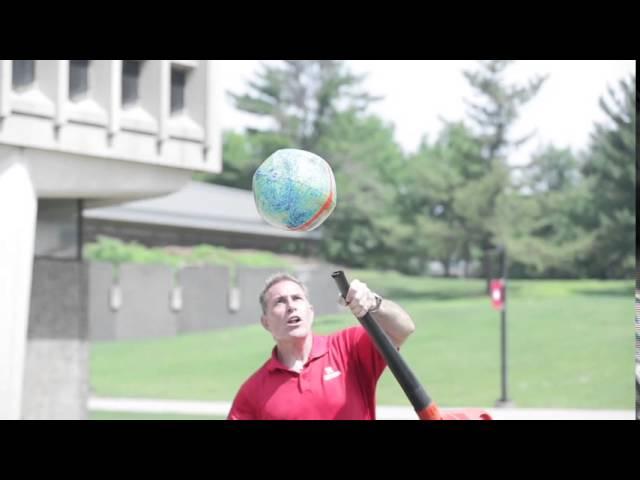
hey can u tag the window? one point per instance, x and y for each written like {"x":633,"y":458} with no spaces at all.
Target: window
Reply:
{"x":78,"y":79}
{"x":130,"y":82}
{"x":24,"y":72}
{"x":178,"y":83}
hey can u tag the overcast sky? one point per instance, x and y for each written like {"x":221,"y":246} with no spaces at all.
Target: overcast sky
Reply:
{"x":418,"y":92}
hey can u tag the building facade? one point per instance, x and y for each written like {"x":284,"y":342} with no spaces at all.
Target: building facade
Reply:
{"x":78,"y":134}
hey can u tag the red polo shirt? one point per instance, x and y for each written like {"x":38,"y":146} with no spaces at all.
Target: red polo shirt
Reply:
{"x":337,"y":383}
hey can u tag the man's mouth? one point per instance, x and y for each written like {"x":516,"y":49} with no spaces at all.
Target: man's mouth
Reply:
{"x":294,"y":320}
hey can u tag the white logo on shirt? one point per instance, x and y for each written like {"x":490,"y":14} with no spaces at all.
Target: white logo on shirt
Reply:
{"x":330,"y":373}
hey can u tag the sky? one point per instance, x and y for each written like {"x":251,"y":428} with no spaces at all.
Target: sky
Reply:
{"x":418,"y":93}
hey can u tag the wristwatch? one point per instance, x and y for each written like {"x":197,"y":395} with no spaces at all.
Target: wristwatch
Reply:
{"x":378,"y":303}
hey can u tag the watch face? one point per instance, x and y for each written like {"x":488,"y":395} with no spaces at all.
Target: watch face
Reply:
{"x":378,"y":302}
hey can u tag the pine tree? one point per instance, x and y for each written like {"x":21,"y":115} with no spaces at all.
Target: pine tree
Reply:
{"x":609,"y":169}
{"x":493,"y":115}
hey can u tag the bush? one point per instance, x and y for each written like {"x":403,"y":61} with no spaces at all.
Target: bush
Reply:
{"x":115,"y":251}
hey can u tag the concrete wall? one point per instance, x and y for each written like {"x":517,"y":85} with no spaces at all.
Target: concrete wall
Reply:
{"x":323,"y":290}
{"x":56,"y":375}
{"x":205,"y":292}
{"x":145,"y":311}
{"x":102,"y":324}
{"x":250,"y":282}
{"x":139,"y":304}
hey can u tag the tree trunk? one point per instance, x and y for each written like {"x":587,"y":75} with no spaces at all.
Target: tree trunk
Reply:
{"x":486,"y":265}
{"x":446,"y":267}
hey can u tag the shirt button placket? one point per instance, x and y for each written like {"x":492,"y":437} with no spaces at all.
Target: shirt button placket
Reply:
{"x":305,"y":381}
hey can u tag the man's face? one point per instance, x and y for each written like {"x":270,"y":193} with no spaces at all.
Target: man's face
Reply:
{"x":289,"y":314}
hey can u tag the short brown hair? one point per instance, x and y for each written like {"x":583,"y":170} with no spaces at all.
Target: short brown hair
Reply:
{"x":277,"y":278}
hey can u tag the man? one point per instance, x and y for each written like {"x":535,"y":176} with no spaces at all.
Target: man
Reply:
{"x":315,"y":377}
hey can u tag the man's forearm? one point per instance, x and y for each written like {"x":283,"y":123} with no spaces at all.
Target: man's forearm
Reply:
{"x":395,"y":321}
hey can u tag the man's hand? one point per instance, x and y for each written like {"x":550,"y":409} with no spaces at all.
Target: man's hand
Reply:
{"x":393,"y":319}
{"x":360,"y":299}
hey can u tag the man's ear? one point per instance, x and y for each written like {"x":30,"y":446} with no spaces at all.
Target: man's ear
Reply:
{"x":263,"y":321}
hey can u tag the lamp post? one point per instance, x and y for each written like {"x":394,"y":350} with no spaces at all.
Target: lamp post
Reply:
{"x":504,"y":400}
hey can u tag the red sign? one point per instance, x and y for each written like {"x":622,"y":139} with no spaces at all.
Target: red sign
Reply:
{"x":497,"y":294}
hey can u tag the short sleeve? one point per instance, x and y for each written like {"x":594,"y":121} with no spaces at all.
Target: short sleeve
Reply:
{"x":367,"y":353}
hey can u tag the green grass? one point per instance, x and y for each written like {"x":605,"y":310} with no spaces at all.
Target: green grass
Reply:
{"x":103,"y":415}
{"x":204,"y":366}
{"x":570,"y":346}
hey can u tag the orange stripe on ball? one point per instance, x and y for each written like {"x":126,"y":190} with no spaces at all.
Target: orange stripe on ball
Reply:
{"x":324,"y":207}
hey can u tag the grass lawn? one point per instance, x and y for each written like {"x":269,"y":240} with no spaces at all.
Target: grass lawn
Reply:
{"x":104,"y":415}
{"x":571,"y":345}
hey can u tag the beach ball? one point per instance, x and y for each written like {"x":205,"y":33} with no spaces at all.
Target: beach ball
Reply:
{"x":294,"y":190}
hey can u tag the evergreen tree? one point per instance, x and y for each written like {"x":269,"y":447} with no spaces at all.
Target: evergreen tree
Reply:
{"x":493,"y":114}
{"x":609,"y":170}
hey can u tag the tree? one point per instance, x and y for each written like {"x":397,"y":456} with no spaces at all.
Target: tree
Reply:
{"x":493,"y":116}
{"x":319,"y":106}
{"x":240,"y":160}
{"x":542,"y":218}
{"x":364,"y":230}
{"x":432,"y":182}
{"x":609,"y":171}
{"x":302,"y":99}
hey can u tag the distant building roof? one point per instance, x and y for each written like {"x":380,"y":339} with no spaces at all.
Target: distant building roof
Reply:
{"x":202,"y":206}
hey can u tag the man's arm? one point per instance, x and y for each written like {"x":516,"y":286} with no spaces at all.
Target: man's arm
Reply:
{"x":391,"y":317}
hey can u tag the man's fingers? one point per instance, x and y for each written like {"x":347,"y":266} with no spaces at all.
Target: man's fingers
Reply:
{"x":355,"y":290}
{"x":350,"y":294}
{"x":358,"y":298}
{"x":360,"y":312}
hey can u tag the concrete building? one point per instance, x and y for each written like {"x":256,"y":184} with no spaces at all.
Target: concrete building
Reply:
{"x":73,"y":135}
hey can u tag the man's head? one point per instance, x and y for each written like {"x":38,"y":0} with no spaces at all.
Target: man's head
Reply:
{"x":286,"y":310}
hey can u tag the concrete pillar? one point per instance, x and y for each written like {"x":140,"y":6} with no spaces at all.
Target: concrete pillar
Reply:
{"x":18,"y":211}
{"x":56,"y":369}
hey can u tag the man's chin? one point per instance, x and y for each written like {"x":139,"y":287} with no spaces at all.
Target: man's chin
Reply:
{"x":298,"y":332}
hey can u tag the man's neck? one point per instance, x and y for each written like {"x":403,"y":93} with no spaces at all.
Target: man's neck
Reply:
{"x":295,"y":353}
